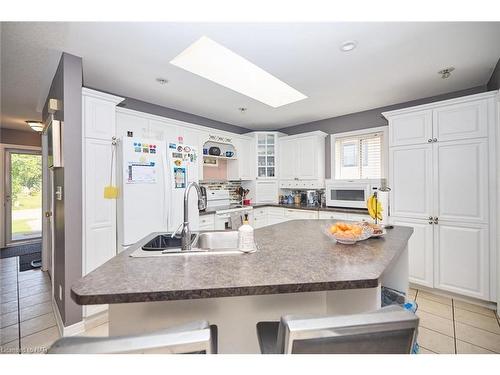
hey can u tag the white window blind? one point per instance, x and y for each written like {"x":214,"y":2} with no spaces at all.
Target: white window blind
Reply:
{"x":358,"y":157}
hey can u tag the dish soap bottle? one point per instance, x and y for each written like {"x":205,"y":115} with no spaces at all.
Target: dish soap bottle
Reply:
{"x":245,"y":237}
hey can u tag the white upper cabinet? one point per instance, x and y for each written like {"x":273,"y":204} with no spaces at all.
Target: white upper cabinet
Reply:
{"x":132,"y":125}
{"x":99,"y":114}
{"x":461,"y":180}
{"x":302,"y":158}
{"x":461,"y":259}
{"x":460,"y":121}
{"x":288,"y":158}
{"x":410,"y":129}
{"x":420,"y":251}
{"x":267,"y":152}
{"x":308,"y":151}
{"x":243,"y":167}
{"x":410,"y":173}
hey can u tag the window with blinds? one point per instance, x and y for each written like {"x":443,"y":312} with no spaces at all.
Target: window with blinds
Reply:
{"x":358,"y":157}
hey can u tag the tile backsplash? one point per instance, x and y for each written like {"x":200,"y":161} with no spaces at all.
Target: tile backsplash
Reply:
{"x":224,"y":185}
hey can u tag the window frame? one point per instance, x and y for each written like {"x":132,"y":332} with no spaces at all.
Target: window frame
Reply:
{"x":357,"y":133}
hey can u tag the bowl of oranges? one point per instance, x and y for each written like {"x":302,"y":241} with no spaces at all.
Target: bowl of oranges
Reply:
{"x":347,"y":233}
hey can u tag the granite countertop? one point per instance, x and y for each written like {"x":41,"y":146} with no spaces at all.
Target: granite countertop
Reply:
{"x":295,"y":256}
{"x":360,"y":211}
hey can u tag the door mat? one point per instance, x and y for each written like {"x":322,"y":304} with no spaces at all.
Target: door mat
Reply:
{"x":30,"y":261}
{"x":18,"y":250}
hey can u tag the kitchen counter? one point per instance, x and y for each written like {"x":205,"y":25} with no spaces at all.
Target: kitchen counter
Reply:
{"x":360,"y":211}
{"x":294,"y":256}
{"x":296,"y":270}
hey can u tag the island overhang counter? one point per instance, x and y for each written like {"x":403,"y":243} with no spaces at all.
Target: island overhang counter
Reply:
{"x":296,"y":270}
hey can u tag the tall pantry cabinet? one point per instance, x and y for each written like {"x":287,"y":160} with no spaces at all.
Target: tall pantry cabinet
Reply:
{"x":99,"y":214}
{"x":442,"y":172}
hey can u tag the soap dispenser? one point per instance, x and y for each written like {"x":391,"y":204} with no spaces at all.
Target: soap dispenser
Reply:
{"x":245,"y":237}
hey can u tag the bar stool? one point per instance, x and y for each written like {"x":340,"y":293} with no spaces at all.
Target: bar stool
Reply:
{"x":390,"y":330}
{"x":195,"y":338}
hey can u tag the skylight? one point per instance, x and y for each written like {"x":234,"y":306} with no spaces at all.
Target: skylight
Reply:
{"x":219,"y":64}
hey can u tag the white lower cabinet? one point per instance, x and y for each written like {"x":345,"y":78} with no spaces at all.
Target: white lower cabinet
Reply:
{"x":260,"y":217}
{"x":461,"y":263}
{"x":420,"y":250}
{"x":207,"y":222}
{"x":449,"y":256}
{"x":332,"y":215}
{"x":291,"y":214}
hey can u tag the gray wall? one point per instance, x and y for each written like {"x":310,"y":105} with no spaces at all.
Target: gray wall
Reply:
{"x":20,"y":137}
{"x":154,"y":109}
{"x":494,"y":82}
{"x":372,"y":117}
{"x":66,"y":86}
{"x":365,"y":120}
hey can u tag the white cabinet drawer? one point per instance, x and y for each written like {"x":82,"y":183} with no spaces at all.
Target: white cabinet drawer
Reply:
{"x":291,"y":214}
{"x":207,"y":222}
{"x":276,"y":211}
{"x":259,"y":221}
{"x":332,"y":215}
{"x":359,"y":217}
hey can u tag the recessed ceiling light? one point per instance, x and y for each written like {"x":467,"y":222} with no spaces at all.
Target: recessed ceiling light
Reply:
{"x":242,"y":109}
{"x":35,"y":125}
{"x":446,"y":72}
{"x":348,"y":45}
{"x":219,"y":64}
{"x":162,"y":81}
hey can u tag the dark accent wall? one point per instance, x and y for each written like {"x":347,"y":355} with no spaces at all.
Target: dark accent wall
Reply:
{"x":371,"y":118}
{"x":20,"y":137}
{"x":494,"y":82}
{"x":67,"y":87}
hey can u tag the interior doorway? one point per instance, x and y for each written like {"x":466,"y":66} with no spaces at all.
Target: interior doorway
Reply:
{"x":23,"y":196}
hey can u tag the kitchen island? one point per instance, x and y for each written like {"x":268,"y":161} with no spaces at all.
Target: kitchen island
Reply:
{"x":297,"y":269}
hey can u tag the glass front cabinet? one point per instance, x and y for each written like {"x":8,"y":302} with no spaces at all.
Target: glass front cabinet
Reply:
{"x":266,"y":154}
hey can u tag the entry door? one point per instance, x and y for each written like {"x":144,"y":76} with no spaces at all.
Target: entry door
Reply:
{"x":23,"y":195}
{"x":48,"y":209}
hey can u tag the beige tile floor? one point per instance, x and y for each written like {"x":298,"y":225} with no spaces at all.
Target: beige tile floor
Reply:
{"x":27,"y":321}
{"x":449,"y":326}
{"x":28,"y":324}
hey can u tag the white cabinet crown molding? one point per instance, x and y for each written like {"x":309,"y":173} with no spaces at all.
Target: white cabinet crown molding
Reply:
{"x":442,"y":103}
{"x":102,"y":95}
{"x":171,"y":121}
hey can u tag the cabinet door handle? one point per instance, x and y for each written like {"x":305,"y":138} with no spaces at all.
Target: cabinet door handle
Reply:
{"x":434,"y":139}
{"x":436,"y":219}
{"x":430,"y":219}
{"x":429,"y":140}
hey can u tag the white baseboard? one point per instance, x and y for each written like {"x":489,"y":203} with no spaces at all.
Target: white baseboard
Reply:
{"x":474,"y":301}
{"x":71,"y":330}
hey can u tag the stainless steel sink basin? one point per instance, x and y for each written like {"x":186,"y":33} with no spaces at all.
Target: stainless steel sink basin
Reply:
{"x":163,"y":242}
{"x":217,"y":240}
{"x":204,"y":243}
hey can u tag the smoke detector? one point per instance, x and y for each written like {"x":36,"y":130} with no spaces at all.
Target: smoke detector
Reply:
{"x":446,"y":72}
{"x":162,"y":81}
{"x":242,"y":109}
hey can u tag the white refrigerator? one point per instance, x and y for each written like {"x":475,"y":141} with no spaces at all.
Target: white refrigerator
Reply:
{"x":154,"y":175}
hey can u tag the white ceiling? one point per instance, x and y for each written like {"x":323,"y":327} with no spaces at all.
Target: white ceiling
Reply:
{"x":394,"y":62}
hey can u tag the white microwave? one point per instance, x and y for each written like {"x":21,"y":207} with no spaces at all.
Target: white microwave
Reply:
{"x":350,"y":194}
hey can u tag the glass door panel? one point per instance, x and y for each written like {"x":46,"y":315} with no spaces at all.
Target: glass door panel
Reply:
{"x":23,"y":195}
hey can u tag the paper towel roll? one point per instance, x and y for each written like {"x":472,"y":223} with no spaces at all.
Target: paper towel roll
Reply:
{"x":383,"y":198}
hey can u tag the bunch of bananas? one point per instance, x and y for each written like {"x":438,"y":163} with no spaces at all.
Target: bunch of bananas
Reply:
{"x":374,"y":207}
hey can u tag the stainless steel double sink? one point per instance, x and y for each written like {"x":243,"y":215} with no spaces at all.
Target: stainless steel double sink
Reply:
{"x":216,"y":242}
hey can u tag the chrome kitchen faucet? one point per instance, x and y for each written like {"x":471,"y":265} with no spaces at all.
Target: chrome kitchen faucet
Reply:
{"x":186,"y":231}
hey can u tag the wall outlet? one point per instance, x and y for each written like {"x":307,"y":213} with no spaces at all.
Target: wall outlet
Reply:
{"x":60,"y":293}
